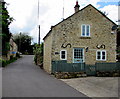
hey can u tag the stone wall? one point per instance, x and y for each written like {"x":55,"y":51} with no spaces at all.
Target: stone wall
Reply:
{"x":69,"y":32}
{"x":47,"y":53}
{"x":13,"y":48}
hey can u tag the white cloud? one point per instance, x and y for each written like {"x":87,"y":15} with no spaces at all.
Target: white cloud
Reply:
{"x":112,"y":11}
{"x":20,"y":10}
{"x":110,"y":0}
{"x":51,"y":12}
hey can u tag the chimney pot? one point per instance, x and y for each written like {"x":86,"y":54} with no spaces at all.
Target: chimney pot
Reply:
{"x":77,"y":7}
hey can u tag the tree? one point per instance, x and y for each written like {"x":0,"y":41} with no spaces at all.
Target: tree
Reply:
{"x":118,"y":43}
{"x":23,"y":40}
{"x":6,"y":21}
{"x":38,"y":51}
{"x":118,"y":37}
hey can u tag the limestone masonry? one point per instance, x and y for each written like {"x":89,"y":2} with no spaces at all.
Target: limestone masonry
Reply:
{"x":83,"y":37}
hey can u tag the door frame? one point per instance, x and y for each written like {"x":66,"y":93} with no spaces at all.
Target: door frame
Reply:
{"x":83,"y":53}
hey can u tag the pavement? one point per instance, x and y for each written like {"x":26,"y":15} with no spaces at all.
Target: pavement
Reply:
{"x":95,"y":86}
{"x":24,"y":79}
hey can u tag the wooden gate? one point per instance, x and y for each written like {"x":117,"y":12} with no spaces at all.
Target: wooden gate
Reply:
{"x":63,"y":66}
{"x":90,"y":70}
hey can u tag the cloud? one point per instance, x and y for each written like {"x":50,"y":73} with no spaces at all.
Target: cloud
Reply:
{"x":25,"y":13}
{"x":109,"y":0}
{"x":20,"y":10}
{"x":112,"y":11}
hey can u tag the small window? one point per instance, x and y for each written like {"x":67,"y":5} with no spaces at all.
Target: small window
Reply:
{"x":63,"y":55}
{"x":101,"y":55}
{"x":85,"y":30}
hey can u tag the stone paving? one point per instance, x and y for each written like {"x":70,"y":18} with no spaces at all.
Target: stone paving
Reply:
{"x":95,"y":86}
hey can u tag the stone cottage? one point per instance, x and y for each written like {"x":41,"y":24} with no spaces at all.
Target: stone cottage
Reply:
{"x":13,"y":47}
{"x":84,"y":37}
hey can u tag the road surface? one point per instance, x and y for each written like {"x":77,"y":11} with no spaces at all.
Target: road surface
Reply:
{"x":24,"y":79}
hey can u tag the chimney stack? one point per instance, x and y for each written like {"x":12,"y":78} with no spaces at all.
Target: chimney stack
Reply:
{"x":77,"y":7}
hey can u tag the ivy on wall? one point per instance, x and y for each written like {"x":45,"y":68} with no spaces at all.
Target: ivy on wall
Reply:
{"x":5,"y":33}
{"x":38,"y":52}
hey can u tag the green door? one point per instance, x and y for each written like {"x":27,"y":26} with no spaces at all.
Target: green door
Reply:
{"x":78,"y":55}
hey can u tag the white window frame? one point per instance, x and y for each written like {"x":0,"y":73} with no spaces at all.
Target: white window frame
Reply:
{"x":85,"y":30}
{"x":101,"y":55}
{"x":61,"y":55}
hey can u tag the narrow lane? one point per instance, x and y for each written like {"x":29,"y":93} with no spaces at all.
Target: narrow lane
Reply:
{"x":24,"y":79}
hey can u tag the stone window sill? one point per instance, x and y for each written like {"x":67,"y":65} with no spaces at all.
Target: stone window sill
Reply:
{"x":85,"y":37}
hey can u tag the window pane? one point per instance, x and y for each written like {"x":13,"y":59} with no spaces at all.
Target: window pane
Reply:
{"x":75,"y":54}
{"x":83,"y":30}
{"x":63,"y":54}
{"x":103,"y":55}
{"x":78,"y":53}
{"x":99,"y":55}
{"x":88,"y":30}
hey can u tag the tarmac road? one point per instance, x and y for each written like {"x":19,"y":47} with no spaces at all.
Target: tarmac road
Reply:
{"x":24,"y":79}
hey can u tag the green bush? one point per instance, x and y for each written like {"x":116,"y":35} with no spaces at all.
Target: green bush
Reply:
{"x":118,"y":51}
{"x":35,"y":59}
{"x":17,"y":55}
{"x":0,"y":60}
{"x":6,"y":62}
{"x":11,"y":57}
{"x":26,"y":53}
{"x":3,"y":62}
{"x":38,"y":52}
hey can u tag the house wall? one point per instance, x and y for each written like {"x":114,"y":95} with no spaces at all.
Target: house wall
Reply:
{"x":13,"y":48}
{"x":47,"y":53}
{"x":69,"y":31}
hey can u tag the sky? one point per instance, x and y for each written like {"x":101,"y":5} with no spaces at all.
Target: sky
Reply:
{"x":25,"y":13}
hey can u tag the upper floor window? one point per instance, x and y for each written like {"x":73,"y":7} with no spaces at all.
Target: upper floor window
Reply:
{"x":85,"y":30}
{"x":101,"y":55}
{"x":63,"y":55}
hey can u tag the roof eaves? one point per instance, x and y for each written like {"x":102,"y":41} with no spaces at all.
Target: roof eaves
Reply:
{"x":64,"y":20}
{"x":47,"y":34}
{"x":103,"y":14}
{"x":72,"y":15}
{"x":78,"y":12}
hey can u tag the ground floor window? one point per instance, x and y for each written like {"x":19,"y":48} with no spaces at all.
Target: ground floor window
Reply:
{"x":78,"y":55}
{"x":63,"y":55}
{"x":101,"y":55}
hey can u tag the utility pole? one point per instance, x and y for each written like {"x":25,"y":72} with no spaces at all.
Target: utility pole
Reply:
{"x":38,"y":25}
{"x":63,"y":9}
{"x":20,"y":42}
{"x":39,"y":36}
